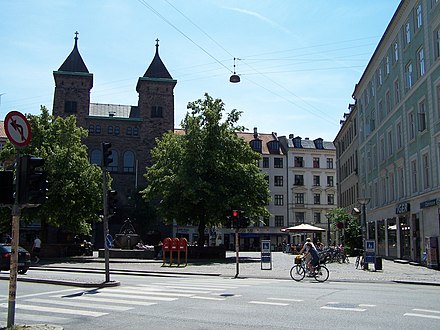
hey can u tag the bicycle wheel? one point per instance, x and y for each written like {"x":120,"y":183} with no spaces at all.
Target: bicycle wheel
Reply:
{"x":297,"y":273}
{"x":321,"y":273}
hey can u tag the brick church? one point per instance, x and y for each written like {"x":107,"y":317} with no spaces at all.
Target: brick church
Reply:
{"x":131,"y":129}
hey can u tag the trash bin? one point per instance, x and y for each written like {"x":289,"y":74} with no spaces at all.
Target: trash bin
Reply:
{"x":378,"y":263}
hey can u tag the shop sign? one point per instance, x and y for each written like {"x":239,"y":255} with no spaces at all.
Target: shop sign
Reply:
{"x":431,"y":202}
{"x":402,"y":208}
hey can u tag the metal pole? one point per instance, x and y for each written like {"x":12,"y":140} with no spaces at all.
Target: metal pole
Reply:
{"x":328,"y":231}
{"x":237,"y":250}
{"x":16,"y":210}
{"x":105,"y":225}
{"x":364,"y":231}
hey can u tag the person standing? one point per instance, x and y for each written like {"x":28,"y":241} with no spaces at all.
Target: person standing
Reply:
{"x":36,"y":248}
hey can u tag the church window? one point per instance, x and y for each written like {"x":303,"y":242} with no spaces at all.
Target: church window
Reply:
{"x":117,"y":130}
{"x":129,"y":162}
{"x":110,"y":130}
{"x":70,"y":106}
{"x":129,"y":131}
{"x":156,"y":112}
{"x":98,"y":129}
{"x":135,"y":131}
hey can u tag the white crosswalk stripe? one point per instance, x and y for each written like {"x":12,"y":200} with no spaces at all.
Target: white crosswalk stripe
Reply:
{"x":51,"y":309}
{"x":425,"y":313}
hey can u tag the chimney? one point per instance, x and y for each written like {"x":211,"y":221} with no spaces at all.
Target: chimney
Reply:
{"x":255,"y":133}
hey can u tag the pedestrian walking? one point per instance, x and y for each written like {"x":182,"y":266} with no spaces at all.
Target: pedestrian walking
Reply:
{"x":36,"y":248}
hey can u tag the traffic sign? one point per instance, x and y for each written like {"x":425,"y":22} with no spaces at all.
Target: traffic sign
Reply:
{"x":17,"y":128}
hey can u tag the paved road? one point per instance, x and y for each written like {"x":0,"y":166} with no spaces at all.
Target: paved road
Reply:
{"x":249,"y":267}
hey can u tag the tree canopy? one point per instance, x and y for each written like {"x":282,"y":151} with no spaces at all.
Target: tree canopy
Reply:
{"x":199,"y":176}
{"x":74,"y":185}
{"x":351,"y":226}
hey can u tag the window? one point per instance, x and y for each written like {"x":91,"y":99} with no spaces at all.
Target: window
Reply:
{"x":279,"y":200}
{"x":399,"y":135}
{"x":91,"y":129}
{"x":316,"y":199}
{"x":156,"y":112}
{"x":396,"y":92}
{"x":98,"y":129}
{"x":387,"y":65}
{"x":422,"y":117}
{"x":109,"y":130}
{"x":129,"y":131}
{"x":419,"y":16}
{"x":299,"y":162}
{"x":414,"y":176}
{"x":329,"y":162}
{"x":278,"y":162}
{"x":317,"y":217}
{"x":117,"y":130}
{"x":330,"y":181}
{"x":388,"y":101}
{"x":257,"y":145}
{"x":426,"y":181}
{"x":379,"y":77}
{"x":400,"y":183}
{"x":391,"y":185}
{"x":316,"y":180}
{"x":299,"y":218}
{"x":113,"y":166}
{"x":135,"y":131}
{"x":408,"y":75}
{"x":382,"y":149}
{"x":278,"y":180}
{"x":279,"y":221}
{"x":421,"y":57}
{"x":390,"y":142}
{"x":128,"y":162}
{"x":95,"y":157}
{"x":331,"y":199}
{"x":437,"y":43}
{"x":265,"y":162}
{"x":299,"y":180}
{"x":407,"y":33}
{"x":373,"y":121}
{"x":70,"y":106}
{"x":411,"y":126}
{"x":396,"y":52}
{"x":299,"y":198}
{"x":315,"y":162}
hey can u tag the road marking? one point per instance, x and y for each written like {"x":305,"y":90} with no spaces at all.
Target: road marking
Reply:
{"x":69,"y":302}
{"x":40,"y":318}
{"x":146,"y":291}
{"x":423,"y":315}
{"x":207,"y":298}
{"x":267,"y":303}
{"x":109,"y":294}
{"x":188,"y":287}
{"x":51,"y":309}
{"x":119,"y":301}
{"x":172,"y":290}
{"x":426,"y":310}
{"x":351,"y":309}
{"x":286,"y":299}
{"x":366,"y":305}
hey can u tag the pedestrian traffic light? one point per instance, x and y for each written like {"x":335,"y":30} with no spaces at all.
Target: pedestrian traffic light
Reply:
{"x":112,"y":201}
{"x":6,"y":187}
{"x":32,"y":180}
{"x":106,"y":154}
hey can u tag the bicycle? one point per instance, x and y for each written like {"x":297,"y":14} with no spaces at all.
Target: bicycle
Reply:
{"x":359,"y":259}
{"x":300,"y":270}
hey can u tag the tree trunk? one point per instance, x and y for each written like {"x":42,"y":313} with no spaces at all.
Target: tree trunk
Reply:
{"x":201,"y":241}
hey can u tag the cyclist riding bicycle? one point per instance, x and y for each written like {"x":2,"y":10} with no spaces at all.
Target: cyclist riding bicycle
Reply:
{"x":311,"y":255}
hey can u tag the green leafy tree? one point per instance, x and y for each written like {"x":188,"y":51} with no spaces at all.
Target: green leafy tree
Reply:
{"x":74,"y":185}
{"x":200,"y":176}
{"x":352,"y":229}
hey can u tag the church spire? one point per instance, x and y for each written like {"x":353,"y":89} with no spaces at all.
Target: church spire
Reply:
{"x":157,"y":69}
{"x":74,"y":62}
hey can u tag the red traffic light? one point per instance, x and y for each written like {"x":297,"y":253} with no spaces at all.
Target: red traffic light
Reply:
{"x":235,"y":213}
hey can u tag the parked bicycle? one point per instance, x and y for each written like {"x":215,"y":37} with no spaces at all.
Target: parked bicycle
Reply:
{"x":359,"y":259}
{"x":300,"y":270}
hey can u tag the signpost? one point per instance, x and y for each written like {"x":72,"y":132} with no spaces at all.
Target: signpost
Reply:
{"x":266,"y":254}
{"x":18,"y":130}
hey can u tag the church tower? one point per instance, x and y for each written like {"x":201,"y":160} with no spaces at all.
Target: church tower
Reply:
{"x":156,"y":100}
{"x":73,"y":83}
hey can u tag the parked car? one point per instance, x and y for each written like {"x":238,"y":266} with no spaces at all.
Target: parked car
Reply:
{"x":24,"y":258}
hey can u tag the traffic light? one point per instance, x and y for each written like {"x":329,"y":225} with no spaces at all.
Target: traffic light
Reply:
{"x":32,"y":180}
{"x":112,"y":201}
{"x":235,"y":219}
{"x":6,"y":187}
{"x":244,"y":221}
{"x":106,"y":154}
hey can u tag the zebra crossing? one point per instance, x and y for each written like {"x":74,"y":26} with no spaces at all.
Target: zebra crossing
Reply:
{"x":62,"y":307}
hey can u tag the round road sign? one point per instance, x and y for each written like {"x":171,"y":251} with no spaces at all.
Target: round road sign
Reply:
{"x":17,"y":129}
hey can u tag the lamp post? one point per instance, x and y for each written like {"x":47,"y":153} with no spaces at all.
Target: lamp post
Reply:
{"x":328,"y":216}
{"x":364,"y":201}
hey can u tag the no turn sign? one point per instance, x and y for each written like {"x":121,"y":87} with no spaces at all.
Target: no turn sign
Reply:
{"x":17,"y":129}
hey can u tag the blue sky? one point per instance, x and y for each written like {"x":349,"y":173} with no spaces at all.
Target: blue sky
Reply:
{"x":298,"y":60}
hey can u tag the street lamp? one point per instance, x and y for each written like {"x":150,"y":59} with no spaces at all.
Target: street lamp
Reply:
{"x":328,"y":216}
{"x":364,"y":201}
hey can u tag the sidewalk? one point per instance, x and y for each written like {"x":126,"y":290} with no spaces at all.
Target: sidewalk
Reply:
{"x":249,"y":267}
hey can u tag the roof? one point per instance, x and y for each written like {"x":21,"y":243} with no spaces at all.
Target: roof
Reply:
{"x":309,"y":144}
{"x":157,"y":69}
{"x":113,"y":110}
{"x":74,"y":62}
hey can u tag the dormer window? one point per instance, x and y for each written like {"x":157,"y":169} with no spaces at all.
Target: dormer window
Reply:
{"x":256,"y":145}
{"x":319,"y":143}
{"x":274,"y":147}
{"x":297,"y":142}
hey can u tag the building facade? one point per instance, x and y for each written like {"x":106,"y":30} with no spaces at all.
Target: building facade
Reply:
{"x":397,"y":115}
{"x":311,"y":176}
